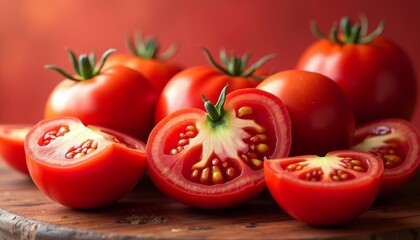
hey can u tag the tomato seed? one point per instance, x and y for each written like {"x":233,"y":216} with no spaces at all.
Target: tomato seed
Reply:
{"x":81,"y":149}
{"x":205,"y":175}
{"x":217,"y":176}
{"x":257,"y":162}
{"x":242,"y":111}
{"x":231,"y":172}
{"x":358,"y":168}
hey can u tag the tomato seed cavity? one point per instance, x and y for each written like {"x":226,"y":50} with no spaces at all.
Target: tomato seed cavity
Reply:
{"x":184,"y":139}
{"x":52,"y":134}
{"x":82,"y":149}
{"x":218,"y":172}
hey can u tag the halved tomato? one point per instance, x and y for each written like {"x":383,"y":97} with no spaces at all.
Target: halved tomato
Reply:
{"x":396,"y":142}
{"x":328,"y":190}
{"x":83,"y":167}
{"x":215,"y":160}
{"x":12,"y":151}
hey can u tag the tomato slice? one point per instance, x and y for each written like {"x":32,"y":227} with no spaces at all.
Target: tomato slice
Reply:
{"x":218,"y":164}
{"x":83,"y":167}
{"x":12,"y":151}
{"x":328,"y":190}
{"x":396,"y":142}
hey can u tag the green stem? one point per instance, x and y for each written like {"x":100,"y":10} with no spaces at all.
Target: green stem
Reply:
{"x":215,"y":112}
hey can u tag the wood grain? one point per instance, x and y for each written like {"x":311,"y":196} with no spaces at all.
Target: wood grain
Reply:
{"x":146,"y":214}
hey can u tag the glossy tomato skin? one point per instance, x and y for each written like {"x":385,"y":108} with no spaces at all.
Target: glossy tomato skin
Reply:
{"x":396,"y":142}
{"x":12,"y":151}
{"x":185,"y":88}
{"x":324,"y":202}
{"x":171,"y":172}
{"x":321,"y":114}
{"x":118,"y":98}
{"x":378,"y":77}
{"x":158,"y":72}
{"x":98,"y":179}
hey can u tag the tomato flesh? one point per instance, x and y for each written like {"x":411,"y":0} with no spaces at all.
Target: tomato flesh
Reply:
{"x":207,"y":164}
{"x":396,"y":142}
{"x":324,"y":191}
{"x":83,"y":167}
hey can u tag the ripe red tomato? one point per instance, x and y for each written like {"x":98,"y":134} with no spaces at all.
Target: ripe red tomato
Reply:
{"x":375,"y":73}
{"x":396,"y":142}
{"x":11,"y":146}
{"x":83,"y":167}
{"x":321,"y":114}
{"x":216,"y":162}
{"x":145,"y":58}
{"x":185,"y":88}
{"x":118,"y":98}
{"x":324,"y":191}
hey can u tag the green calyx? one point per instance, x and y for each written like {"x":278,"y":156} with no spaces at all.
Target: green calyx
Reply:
{"x":349,"y":33}
{"x":215,"y":112}
{"x":149,"y":48}
{"x":84,"y":67}
{"x":237,"y":66}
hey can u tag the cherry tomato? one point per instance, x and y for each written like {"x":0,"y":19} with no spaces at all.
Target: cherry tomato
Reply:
{"x":396,"y":142}
{"x":185,"y":88}
{"x":83,"y":167}
{"x":375,"y":73}
{"x":215,"y":160}
{"x":118,"y":97}
{"x":11,"y":145}
{"x":323,"y":191}
{"x":321,"y":114}
{"x":145,"y":58}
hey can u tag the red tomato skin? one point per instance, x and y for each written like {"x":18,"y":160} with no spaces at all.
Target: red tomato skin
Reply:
{"x":12,"y":150}
{"x":396,"y":178}
{"x":245,"y":187}
{"x":323,"y":205}
{"x":378,"y":77}
{"x":158,"y":72}
{"x":98,"y":182}
{"x":321,"y":115}
{"x":118,"y":98}
{"x":184,"y":90}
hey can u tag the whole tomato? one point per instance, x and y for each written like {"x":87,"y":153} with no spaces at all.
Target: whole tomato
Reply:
{"x":83,"y":167}
{"x":145,"y":58}
{"x":320,"y":112}
{"x":375,"y":73}
{"x":118,"y":97}
{"x":185,"y":88}
{"x":214,"y":159}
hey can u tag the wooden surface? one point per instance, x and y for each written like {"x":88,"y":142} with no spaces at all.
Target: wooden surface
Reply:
{"x":145,"y":214}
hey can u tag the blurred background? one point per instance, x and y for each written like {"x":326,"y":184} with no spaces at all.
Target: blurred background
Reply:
{"x":38,"y":32}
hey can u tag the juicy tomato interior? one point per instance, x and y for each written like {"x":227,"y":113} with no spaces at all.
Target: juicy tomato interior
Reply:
{"x":255,"y":141}
{"x":385,"y":143}
{"x":329,"y":168}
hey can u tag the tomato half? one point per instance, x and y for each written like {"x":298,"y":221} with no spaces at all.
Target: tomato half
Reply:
{"x":377,"y":76}
{"x":185,"y":88}
{"x":146,"y":59}
{"x":320,"y":112}
{"x":213,"y":164}
{"x":11,"y":146}
{"x":83,"y":167}
{"x":396,"y":142}
{"x":324,"y":191}
{"x":118,"y":98}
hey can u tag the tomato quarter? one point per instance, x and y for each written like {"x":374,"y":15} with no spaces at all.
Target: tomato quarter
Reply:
{"x":396,"y":142}
{"x":83,"y":167}
{"x":325,"y":191}
{"x":215,"y":160}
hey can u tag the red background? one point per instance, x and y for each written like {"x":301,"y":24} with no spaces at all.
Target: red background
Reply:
{"x":37,"y":32}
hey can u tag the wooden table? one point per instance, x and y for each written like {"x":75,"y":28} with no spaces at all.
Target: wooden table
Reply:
{"x":146,"y":214}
